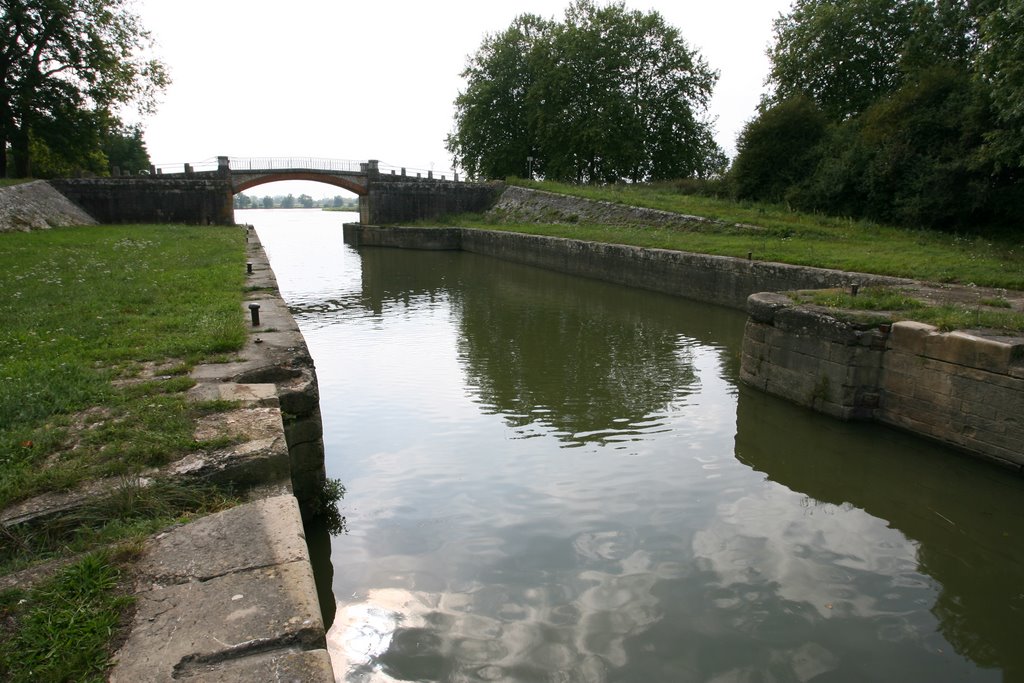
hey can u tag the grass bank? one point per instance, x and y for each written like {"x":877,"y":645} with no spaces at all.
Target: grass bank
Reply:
{"x":100,"y":327}
{"x":772,"y":233}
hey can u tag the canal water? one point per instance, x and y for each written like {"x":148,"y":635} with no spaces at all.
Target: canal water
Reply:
{"x":557,"y":479}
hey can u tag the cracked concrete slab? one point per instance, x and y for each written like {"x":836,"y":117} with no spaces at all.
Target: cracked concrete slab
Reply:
{"x":230,"y":592}
{"x":287,"y":667}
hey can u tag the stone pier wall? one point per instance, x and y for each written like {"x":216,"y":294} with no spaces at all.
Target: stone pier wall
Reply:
{"x":955,"y":387}
{"x":394,"y":199}
{"x":962,"y":390}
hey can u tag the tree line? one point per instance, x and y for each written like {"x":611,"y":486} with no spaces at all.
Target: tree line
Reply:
{"x":901,"y":111}
{"x":290,"y":201}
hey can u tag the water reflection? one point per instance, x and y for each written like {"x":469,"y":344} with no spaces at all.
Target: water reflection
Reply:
{"x":965,"y":519}
{"x":736,"y":538}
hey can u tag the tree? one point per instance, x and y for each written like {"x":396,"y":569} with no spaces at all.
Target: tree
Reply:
{"x":1001,"y":67}
{"x":65,"y":67}
{"x":124,"y":148}
{"x":268,"y":202}
{"x":845,"y":54}
{"x":607,"y":94}
{"x":338,"y":201}
{"x":288,"y":202}
{"x":496,"y":119}
{"x":778,"y":149}
{"x":306,"y":201}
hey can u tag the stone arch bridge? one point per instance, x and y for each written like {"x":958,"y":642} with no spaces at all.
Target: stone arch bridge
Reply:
{"x":203,"y":192}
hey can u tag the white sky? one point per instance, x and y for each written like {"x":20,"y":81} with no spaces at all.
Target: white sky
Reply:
{"x":376,"y":79}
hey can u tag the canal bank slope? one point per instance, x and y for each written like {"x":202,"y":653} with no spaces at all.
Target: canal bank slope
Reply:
{"x":963,"y":388}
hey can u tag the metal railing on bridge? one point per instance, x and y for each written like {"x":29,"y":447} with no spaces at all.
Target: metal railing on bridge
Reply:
{"x":248,"y":164}
{"x":294,"y":164}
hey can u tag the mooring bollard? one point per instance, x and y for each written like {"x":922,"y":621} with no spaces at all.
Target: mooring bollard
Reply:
{"x":750,"y":256}
{"x":254,"y":310}
{"x":248,"y":268}
{"x":853,"y":289}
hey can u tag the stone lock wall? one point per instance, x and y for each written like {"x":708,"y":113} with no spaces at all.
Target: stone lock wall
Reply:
{"x":151,"y":199}
{"x":956,"y":388}
{"x":811,"y":358}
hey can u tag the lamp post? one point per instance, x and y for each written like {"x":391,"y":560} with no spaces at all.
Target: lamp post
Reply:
{"x":529,"y":168}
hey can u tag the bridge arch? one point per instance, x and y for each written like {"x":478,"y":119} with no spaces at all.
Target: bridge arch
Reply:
{"x":338,"y":181}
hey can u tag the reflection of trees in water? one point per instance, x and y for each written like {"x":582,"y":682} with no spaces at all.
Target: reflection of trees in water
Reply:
{"x":591,"y":361}
{"x":966,"y":516}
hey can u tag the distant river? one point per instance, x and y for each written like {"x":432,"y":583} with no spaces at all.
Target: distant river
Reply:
{"x":558,"y":479}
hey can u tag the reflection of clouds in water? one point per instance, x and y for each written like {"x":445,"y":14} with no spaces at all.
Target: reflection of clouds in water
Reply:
{"x":831,"y":563}
{"x":573,"y":629}
{"x":818,"y":558}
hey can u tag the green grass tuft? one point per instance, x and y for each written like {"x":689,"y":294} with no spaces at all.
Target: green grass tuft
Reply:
{"x":60,"y":630}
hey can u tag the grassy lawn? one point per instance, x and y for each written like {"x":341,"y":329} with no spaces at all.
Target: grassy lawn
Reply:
{"x":772,"y":233}
{"x":100,"y":327}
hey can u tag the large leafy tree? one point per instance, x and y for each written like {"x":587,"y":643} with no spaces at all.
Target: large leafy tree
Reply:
{"x":846,"y":54}
{"x":923,"y":102}
{"x":66,"y":66}
{"x":606,"y":94}
{"x":495,"y":115}
{"x":1001,"y":68}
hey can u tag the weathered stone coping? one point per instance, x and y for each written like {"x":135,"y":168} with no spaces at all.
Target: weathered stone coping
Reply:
{"x":958,"y":388}
{"x":721,"y":280}
{"x":231,"y":596}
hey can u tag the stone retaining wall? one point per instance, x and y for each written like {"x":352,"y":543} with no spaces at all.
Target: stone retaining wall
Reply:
{"x":714,"y":279}
{"x":963,"y":390}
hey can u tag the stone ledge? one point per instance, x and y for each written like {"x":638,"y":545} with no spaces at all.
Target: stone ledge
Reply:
{"x":220,"y":590}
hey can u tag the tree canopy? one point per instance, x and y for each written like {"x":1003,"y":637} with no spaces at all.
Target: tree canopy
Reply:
{"x":66,"y":66}
{"x":606,"y":94}
{"x":906,"y":111}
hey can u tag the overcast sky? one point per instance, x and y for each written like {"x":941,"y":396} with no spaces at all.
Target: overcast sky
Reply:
{"x":376,"y":79}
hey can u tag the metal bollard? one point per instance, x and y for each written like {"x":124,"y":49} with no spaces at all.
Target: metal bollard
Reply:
{"x":854,"y":288}
{"x":248,"y":268}
{"x":254,"y":310}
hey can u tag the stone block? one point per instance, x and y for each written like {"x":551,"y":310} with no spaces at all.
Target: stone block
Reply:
{"x":762,"y":306}
{"x":232,"y":590}
{"x":257,"y":534}
{"x":224,"y":618}
{"x":909,"y":336}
